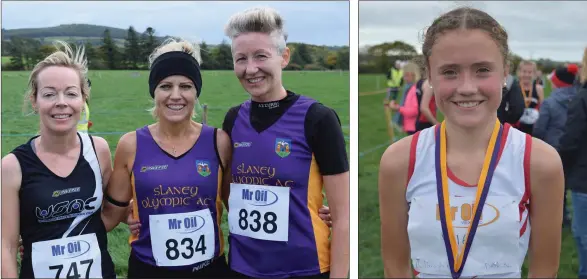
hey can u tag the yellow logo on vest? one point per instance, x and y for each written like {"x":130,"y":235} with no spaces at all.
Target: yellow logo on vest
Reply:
{"x":282,"y":147}
{"x":465,"y":215}
{"x":203,"y":168}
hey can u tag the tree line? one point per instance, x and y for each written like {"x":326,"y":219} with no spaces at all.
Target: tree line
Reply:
{"x":132,"y":53}
{"x":379,"y":58}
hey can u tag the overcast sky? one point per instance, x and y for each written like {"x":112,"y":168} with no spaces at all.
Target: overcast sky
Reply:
{"x":313,"y":22}
{"x":555,"y":30}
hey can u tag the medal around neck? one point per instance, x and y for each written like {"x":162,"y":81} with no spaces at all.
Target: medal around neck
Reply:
{"x":458,"y":257}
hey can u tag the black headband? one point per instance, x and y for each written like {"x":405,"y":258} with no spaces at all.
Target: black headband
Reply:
{"x":175,"y":63}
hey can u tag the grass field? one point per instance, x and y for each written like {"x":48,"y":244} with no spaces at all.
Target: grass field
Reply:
{"x":119,"y":104}
{"x":373,"y":140}
{"x":5,"y":59}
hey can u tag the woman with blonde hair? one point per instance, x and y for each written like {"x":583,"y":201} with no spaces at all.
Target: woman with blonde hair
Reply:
{"x":298,"y":145}
{"x":573,"y":152}
{"x":52,"y":185}
{"x":410,"y":110}
{"x":469,"y":197}
{"x":173,"y":171}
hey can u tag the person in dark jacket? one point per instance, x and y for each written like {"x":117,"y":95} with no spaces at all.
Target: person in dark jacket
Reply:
{"x":553,"y":111}
{"x":573,"y":152}
{"x":512,"y":102}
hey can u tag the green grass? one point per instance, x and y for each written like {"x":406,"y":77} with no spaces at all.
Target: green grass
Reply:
{"x":119,"y":102}
{"x":5,"y":59}
{"x":373,"y":139}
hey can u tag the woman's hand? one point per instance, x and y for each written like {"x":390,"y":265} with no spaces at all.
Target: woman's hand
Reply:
{"x":324,"y":213}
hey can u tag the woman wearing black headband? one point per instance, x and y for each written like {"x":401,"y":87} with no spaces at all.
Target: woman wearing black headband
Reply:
{"x":275,"y":230}
{"x":172,"y":169}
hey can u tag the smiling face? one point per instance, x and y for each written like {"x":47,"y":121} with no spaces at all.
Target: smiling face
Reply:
{"x":258,"y":65}
{"x":59,"y":99}
{"x":175,"y":97}
{"x":467,"y":74}
{"x":526,"y":73}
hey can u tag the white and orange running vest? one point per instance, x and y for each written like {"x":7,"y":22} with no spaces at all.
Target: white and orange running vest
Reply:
{"x":501,"y":240}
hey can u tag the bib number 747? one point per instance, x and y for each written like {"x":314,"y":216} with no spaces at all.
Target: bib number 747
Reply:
{"x":260,"y":212}
{"x":73,"y":257}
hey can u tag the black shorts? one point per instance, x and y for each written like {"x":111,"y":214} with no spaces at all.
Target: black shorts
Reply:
{"x":217,"y":268}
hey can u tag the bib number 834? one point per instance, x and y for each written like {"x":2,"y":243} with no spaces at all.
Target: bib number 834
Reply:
{"x":73,"y":273}
{"x":172,"y":251}
{"x":269,"y":226}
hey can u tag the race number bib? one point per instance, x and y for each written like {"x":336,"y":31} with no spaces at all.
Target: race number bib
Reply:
{"x":495,"y":248}
{"x":71,"y":257}
{"x":180,"y":239}
{"x":260,"y":212}
{"x":530,"y":116}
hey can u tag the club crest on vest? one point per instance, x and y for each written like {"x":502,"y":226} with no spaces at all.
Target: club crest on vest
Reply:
{"x":282,"y":147}
{"x":203,"y":168}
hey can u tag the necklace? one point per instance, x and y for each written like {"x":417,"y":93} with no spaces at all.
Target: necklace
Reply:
{"x":172,"y":147}
{"x":173,"y":150}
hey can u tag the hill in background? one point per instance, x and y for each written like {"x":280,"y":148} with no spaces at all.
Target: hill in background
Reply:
{"x":117,"y":48}
{"x":82,"y":33}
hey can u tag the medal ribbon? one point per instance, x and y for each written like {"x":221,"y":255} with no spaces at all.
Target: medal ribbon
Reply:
{"x":457,"y":260}
{"x":525,"y":95}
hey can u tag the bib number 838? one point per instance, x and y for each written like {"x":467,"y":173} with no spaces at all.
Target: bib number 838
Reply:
{"x":172,"y":251}
{"x":269,"y":226}
{"x":73,"y":273}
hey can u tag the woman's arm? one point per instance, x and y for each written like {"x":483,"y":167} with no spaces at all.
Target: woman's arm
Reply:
{"x":119,"y":190}
{"x":393,"y":176}
{"x":11,"y":180}
{"x":225,"y":151}
{"x":427,"y":94}
{"x":326,"y":140}
{"x":337,"y":194}
{"x":105,"y":160}
{"x":546,"y":210}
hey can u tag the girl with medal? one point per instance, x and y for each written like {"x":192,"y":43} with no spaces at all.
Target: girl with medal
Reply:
{"x":533,"y":96}
{"x":467,"y":198}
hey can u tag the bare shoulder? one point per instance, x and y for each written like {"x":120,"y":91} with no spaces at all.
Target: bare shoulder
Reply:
{"x":396,"y":157}
{"x":545,"y":163}
{"x":11,"y":172}
{"x":101,"y":144}
{"x":128,"y":142}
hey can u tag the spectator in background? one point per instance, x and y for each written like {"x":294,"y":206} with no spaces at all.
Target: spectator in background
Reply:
{"x":409,"y":110}
{"x":573,"y":152}
{"x":553,"y":113}
{"x":512,"y":102}
{"x":84,"y":124}
{"x":538,"y":79}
